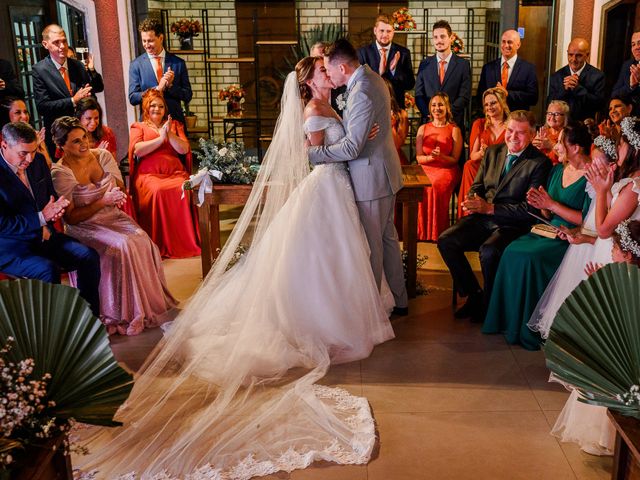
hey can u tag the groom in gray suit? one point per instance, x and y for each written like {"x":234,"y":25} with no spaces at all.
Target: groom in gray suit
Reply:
{"x":373,"y":165}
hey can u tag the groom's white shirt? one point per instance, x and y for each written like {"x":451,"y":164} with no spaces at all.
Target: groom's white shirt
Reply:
{"x":374,"y":165}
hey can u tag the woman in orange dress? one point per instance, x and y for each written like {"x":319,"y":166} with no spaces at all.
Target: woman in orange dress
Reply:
{"x":89,"y":112}
{"x":157,"y":179}
{"x":485,"y":132}
{"x":439,"y":144}
{"x":557,"y":117}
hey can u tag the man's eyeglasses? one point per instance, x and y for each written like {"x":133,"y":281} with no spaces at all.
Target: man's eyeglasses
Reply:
{"x":555,"y":114}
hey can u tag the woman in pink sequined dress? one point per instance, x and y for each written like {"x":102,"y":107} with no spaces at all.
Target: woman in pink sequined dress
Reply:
{"x":133,"y":290}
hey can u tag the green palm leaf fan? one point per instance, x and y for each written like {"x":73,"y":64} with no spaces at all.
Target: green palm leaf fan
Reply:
{"x":53,"y":325}
{"x":594,"y":342}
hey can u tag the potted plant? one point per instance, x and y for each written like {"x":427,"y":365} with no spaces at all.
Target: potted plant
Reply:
{"x":190,"y":118}
{"x":185,"y":30}
{"x":234,"y":96}
{"x":57,"y":368}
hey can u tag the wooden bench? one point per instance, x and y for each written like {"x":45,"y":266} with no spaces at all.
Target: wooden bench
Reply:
{"x":626,"y":459}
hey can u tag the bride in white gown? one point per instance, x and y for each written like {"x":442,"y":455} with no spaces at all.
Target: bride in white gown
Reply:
{"x":231,"y":393}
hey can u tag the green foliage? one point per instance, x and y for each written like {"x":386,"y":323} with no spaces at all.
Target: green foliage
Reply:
{"x":229,"y":159}
{"x":594,"y":342}
{"x":328,"y":32}
{"x":420,"y":261}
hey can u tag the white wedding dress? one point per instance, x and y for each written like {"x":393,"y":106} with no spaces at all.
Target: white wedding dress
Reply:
{"x":579,"y":422}
{"x":231,"y":392}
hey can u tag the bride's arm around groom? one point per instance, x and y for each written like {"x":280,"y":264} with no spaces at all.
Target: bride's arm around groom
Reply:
{"x":374,"y":165}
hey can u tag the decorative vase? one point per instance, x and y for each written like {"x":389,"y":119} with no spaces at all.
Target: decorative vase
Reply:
{"x":186,"y":43}
{"x":190,"y":120}
{"x":234,"y":108}
{"x":46,"y":462}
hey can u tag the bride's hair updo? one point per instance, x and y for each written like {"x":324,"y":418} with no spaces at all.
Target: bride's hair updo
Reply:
{"x":304,"y":72}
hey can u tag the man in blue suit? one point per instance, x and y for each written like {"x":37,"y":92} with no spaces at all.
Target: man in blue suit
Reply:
{"x":628,"y":84}
{"x":159,"y":69}
{"x":59,"y":82}
{"x":29,"y":245}
{"x":390,"y":60}
{"x":579,"y":84}
{"x":444,"y":72}
{"x":516,"y":76}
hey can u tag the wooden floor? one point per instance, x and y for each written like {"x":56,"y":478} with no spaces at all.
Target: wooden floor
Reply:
{"x":449,"y":402}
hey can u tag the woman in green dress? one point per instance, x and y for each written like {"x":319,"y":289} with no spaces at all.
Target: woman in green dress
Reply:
{"x":528,"y":263}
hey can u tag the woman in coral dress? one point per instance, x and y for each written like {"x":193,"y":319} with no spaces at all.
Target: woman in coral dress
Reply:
{"x":157,"y":179}
{"x":485,"y":132}
{"x":438,"y":147}
{"x":133,"y":290}
{"x":557,"y":117}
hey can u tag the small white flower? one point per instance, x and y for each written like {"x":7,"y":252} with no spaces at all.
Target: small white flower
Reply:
{"x":341,"y":101}
{"x":223,"y":151}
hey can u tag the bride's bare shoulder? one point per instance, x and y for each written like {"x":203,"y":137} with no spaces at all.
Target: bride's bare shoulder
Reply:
{"x":313,"y":109}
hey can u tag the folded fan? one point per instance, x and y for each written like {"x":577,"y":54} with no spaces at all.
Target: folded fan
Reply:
{"x":594,"y":342}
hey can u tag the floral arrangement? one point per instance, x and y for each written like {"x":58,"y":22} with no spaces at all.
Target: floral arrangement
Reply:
{"x":23,"y":408}
{"x":232,"y":92}
{"x":409,"y":101}
{"x":403,"y":20}
{"x":226,"y":162}
{"x":186,"y":28}
{"x":457,"y":45}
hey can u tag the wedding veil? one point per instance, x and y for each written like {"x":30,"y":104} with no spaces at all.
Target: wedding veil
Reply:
{"x":229,"y":393}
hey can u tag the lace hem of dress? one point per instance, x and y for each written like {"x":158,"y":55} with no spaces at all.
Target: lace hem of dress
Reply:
{"x":357,"y":453}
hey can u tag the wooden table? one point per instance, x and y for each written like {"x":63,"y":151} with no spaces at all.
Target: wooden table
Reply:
{"x":411,"y":194}
{"x":626,"y":460}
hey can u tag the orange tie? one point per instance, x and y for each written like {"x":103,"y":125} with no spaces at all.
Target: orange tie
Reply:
{"x":383,"y":60}
{"x":159,"y":72}
{"x":65,"y":76}
{"x":443,"y":63}
{"x":505,"y":74}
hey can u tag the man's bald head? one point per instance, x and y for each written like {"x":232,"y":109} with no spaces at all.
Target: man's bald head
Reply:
{"x":510,"y":43}
{"x":578,"y":53}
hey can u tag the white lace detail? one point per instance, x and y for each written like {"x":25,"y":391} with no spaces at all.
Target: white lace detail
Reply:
{"x":359,"y":452}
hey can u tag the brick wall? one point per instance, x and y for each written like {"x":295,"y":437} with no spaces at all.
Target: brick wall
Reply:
{"x":223,"y":43}
{"x":222,"y":31}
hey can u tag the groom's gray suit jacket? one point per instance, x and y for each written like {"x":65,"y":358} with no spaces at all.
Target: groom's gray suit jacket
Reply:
{"x":374,"y":165}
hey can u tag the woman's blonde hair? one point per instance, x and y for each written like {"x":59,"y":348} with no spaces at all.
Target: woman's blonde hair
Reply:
{"x":447,"y":105}
{"x":304,"y":72}
{"x":502,"y":100}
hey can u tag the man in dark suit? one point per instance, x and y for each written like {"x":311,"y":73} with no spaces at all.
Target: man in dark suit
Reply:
{"x":515,"y":75}
{"x":9,"y":86}
{"x":628,"y":84}
{"x":59,"y":83}
{"x":444,"y":72}
{"x":498,"y":206}
{"x":29,"y":245}
{"x":579,"y":84}
{"x":159,"y":69}
{"x":390,"y":60}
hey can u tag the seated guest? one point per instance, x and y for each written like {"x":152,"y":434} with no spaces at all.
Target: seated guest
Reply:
{"x":499,"y":212}
{"x":579,"y":84}
{"x":14,"y":109}
{"x":628,"y":83}
{"x":515,"y":76}
{"x":132,"y":287}
{"x":29,"y":245}
{"x":399,"y":125}
{"x":485,"y":132}
{"x":556,"y":118}
{"x":89,"y":112}
{"x":619,"y":108}
{"x":438,"y":146}
{"x":157,"y":179}
{"x":533,"y":259}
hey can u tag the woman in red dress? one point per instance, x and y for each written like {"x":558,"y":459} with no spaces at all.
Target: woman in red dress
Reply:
{"x":157,"y":179}
{"x":439,"y":144}
{"x":485,"y":132}
{"x":557,"y":117}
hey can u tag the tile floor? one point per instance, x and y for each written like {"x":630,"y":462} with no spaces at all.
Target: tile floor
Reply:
{"x":450,"y":402}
